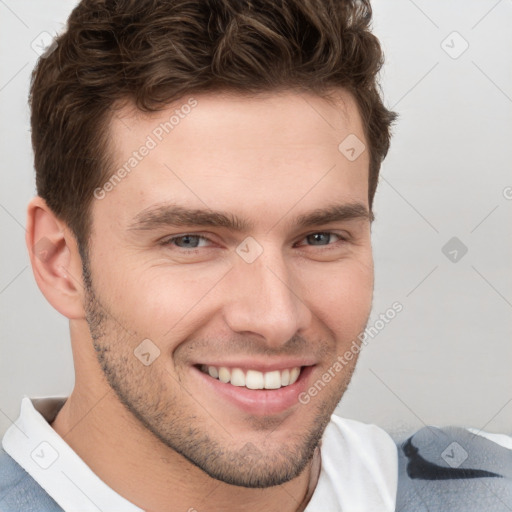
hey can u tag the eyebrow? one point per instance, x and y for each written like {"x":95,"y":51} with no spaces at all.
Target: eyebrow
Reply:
{"x":172,"y":215}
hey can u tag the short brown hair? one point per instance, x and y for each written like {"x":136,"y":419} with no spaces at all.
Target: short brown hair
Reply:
{"x":155,"y":51}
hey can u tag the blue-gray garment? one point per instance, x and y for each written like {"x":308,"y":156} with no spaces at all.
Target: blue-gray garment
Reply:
{"x":440,"y":470}
{"x":19,"y":492}
{"x":453,"y":470}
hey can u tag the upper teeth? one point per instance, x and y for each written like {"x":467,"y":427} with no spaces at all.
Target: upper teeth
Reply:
{"x":253,"y":379}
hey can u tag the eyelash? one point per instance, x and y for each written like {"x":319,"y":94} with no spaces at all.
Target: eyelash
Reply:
{"x":169,"y":241}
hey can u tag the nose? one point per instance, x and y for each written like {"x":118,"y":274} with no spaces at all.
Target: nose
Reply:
{"x":265,"y":300}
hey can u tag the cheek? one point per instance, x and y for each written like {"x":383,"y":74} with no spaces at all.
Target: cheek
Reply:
{"x":342,"y":296}
{"x":155,"y":301}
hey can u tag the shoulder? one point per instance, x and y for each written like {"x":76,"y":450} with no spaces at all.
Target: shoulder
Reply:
{"x":19,"y":491}
{"x":455,"y":469}
{"x":362,"y":457}
{"x":362,"y":436}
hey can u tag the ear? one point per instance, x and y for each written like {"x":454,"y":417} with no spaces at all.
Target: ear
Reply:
{"x":55,"y":259}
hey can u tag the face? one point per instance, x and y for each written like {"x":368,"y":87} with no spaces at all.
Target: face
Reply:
{"x":229,"y":266}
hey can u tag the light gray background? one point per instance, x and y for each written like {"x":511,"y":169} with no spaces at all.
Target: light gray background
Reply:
{"x":446,"y":358}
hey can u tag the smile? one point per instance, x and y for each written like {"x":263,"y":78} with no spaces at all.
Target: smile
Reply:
{"x":253,"y":379}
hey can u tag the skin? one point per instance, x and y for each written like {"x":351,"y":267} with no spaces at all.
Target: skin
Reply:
{"x":157,"y":434}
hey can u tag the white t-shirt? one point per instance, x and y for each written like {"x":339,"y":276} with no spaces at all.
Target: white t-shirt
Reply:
{"x":359,"y":467}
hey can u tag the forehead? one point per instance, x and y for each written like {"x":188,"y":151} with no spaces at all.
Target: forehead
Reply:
{"x":251,"y":121}
{"x":227,"y":151}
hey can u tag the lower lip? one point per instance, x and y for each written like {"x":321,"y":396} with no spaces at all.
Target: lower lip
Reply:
{"x":259,"y":401}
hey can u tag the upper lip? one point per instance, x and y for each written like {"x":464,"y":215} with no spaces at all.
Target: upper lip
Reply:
{"x":260,"y":365}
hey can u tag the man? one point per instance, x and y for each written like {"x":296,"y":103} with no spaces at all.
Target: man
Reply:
{"x":162,"y":130}
{"x":205,"y":176}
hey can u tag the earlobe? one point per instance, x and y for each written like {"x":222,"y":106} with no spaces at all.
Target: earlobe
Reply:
{"x":55,"y":259}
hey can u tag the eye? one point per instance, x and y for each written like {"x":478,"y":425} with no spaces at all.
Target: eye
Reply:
{"x":321,"y":238}
{"x":187,"y":241}
{"x":192,"y":241}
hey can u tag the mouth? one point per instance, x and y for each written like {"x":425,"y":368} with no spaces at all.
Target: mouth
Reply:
{"x":256,"y":391}
{"x":253,"y":379}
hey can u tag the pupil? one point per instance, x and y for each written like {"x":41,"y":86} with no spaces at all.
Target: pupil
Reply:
{"x":189,"y":241}
{"x":317,"y":237}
